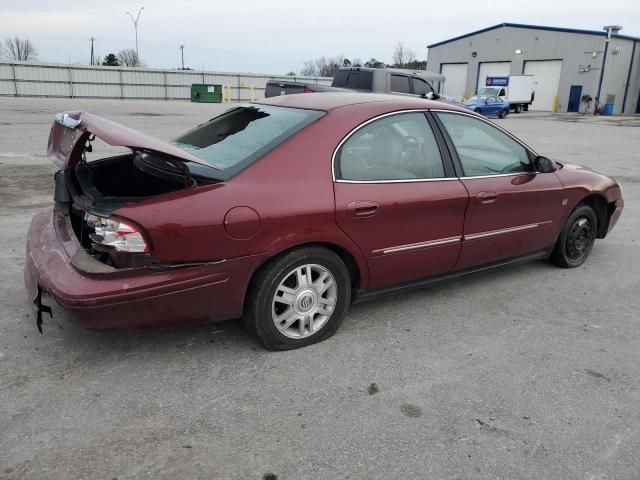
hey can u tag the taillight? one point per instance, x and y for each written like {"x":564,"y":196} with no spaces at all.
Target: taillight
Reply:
{"x":115,"y":234}
{"x":306,"y":90}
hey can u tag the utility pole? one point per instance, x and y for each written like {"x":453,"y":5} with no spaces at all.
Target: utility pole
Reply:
{"x":182,"y":54}
{"x":92,"y":39}
{"x":135,"y":27}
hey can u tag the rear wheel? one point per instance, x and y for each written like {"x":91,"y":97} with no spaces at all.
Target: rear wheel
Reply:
{"x":477,"y":110}
{"x":503,"y":113}
{"x":298,"y":299}
{"x":576,"y":239}
{"x":517,"y":108}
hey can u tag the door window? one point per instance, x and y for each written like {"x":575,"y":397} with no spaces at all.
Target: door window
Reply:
{"x":482,"y":148}
{"x":420,"y":87}
{"x":399,"y":147}
{"x":400,"y":84}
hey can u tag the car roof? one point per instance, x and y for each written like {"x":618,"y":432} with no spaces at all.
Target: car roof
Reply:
{"x":330,"y":100}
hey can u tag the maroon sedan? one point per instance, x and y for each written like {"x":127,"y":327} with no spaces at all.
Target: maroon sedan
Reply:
{"x":284,"y":212}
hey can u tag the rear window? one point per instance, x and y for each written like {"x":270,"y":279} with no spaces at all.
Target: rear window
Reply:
{"x":239,"y":136}
{"x":356,"y":79}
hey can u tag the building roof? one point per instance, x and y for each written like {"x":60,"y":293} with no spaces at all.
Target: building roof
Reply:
{"x":534,"y":27}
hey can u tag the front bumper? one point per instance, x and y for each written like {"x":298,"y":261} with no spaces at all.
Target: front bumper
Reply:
{"x":100,"y":297}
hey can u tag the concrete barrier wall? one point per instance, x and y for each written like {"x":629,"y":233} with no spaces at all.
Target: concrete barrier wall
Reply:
{"x":28,"y":79}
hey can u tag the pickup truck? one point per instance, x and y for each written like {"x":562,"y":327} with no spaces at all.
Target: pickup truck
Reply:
{"x":362,"y":79}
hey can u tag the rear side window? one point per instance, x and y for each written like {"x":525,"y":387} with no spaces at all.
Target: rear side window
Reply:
{"x":239,"y":136}
{"x":355,"y":79}
{"x":400,"y":84}
{"x":420,"y":87}
{"x":399,"y":147}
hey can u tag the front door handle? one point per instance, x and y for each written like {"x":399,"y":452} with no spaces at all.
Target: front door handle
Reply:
{"x":487,"y":197}
{"x":362,"y":208}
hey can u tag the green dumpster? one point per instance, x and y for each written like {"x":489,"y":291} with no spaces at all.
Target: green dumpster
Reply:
{"x":203,"y":93}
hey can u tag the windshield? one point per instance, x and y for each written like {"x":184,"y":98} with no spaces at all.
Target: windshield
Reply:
{"x":241,"y":135}
{"x":488,"y":91}
{"x":477,"y":98}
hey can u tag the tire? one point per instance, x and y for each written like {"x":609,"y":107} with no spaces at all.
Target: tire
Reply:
{"x":576,"y":238}
{"x":477,"y":110}
{"x":280,"y":289}
{"x":517,"y":108}
{"x":503,"y":113}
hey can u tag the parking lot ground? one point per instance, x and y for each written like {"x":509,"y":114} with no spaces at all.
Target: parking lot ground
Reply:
{"x":531,"y":372}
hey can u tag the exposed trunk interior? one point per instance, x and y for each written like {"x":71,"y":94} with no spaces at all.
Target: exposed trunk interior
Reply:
{"x":127,"y":176}
{"x":102,"y":186}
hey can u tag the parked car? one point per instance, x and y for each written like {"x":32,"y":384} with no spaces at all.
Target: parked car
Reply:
{"x":489,"y":106}
{"x":363,"y":79}
{"x":285,"y":211}
{"x":517,"y":90}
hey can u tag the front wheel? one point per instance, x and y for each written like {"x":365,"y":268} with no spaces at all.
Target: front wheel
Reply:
{"x":298,"y":299}
{"x":517,"y":108}
{"x":478,"y":110}
{"x":503,"y":113}
{"x":576,"y":239}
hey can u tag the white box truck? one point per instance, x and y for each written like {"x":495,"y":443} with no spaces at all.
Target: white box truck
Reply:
{"x":515,"y":89}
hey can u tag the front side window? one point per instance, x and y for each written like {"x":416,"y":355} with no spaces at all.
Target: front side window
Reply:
{"x":482,"y":148}
{"x":241,"y":135}
{"x":400,"y":84}
{"x":399,"y":147}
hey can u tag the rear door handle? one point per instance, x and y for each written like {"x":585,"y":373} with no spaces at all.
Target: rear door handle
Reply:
{"x":487,"y":197}
{"x":362,"y":208}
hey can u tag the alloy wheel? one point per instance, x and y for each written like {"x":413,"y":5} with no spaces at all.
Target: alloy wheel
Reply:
{"x":304,"y":301}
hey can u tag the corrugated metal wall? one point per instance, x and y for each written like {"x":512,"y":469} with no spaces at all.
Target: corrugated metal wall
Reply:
{"x":581,"y":55}
{"x":56,"y":80}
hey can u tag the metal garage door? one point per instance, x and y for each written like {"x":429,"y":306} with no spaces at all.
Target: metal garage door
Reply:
{"x":546,"y":81}
{"x":492,"y":69}
{"x":455,"y":84}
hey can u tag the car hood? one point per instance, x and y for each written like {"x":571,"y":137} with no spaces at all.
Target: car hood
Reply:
{"x":71,"y":130}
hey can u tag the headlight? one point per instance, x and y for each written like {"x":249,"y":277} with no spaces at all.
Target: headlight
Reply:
{"x":115,"y":234}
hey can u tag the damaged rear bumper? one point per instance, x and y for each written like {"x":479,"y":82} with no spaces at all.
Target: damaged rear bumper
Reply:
{"x":101,"y":297}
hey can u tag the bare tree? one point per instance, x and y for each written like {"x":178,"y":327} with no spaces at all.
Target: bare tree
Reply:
{"x":18,"y":49}
{"x":309,"y":69}
{"x":129,"y":58}
{"x":402,"y":56}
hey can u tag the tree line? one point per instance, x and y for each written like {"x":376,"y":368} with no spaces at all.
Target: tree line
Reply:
{"x":23,"y":50}
{"x":18,"y":49}
{"x":328,"y":66}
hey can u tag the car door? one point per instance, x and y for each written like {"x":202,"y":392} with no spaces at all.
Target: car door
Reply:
{"x":398,"y":198}
{"x":513,"y":210}
{"x":493,"y":106}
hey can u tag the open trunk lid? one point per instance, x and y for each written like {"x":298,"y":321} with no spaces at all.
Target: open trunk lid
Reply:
{"x":71,"y":130}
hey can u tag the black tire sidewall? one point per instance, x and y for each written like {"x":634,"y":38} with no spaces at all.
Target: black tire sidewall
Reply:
{"x":560,"y":251}
{"x":259,"y":313}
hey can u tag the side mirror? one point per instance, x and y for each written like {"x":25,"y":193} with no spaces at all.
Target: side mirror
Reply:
{"x":431,"y":96}
{"x":544,"y":165}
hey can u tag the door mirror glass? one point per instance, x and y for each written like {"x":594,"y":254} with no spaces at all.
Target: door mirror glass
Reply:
{"x":544,"y":165}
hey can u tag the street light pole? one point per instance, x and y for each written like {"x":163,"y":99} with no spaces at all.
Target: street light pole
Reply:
{"x":135,"y":27}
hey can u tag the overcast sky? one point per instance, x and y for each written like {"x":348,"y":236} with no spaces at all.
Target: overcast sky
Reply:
{"x":276,"y":36}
